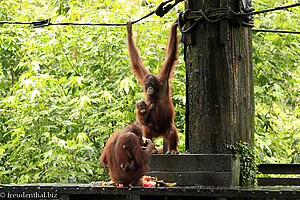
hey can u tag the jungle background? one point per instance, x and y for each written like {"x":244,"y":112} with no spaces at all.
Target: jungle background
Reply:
{"x":65,"y":89}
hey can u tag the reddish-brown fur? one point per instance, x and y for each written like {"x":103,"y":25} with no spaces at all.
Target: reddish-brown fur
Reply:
{"x":162,"y":117}
{"x":115,"y":156}
{"x":143,"y":113}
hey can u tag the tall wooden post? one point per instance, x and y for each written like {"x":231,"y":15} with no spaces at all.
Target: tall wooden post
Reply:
{"x":220,"y":103}
{"x":220,"y":96}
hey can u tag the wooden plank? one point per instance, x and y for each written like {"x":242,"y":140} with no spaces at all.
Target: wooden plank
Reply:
{"x":102,"y":197}
{"x":196,"y":169}
{"x":84,"y":191}
{"x":194,"y":162}
{"x":279,"y":168}
{"x":279,"y":181}
{"x":221,"y":179}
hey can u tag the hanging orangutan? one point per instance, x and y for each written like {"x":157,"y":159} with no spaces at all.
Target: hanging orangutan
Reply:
{"x":157,"y":90}
{"x":125,"y":156}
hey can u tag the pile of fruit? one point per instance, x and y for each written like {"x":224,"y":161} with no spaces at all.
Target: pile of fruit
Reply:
{"x":147,"y":181}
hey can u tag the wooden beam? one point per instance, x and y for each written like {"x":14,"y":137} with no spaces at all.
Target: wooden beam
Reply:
{"x":220,"y":91}
{"x":279,"y":168}
{"x":86,"y":191}
{"x":279,"y":181}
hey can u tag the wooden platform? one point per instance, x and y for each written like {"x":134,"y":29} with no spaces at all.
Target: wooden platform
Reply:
{"x":173,"y":166}
{"x":87,"y":191}
{"x":196,"y":169}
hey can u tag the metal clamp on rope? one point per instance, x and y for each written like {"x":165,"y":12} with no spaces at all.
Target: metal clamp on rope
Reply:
{"x":41,"y":23}
{"x":245,"y":6}
{"x":163,"y":9}
{"x":181,"y":22}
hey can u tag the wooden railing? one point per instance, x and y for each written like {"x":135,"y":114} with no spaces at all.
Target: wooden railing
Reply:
{"x":285,"y":169}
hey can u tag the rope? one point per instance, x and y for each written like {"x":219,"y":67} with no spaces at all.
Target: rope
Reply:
{"x":210,"y":15}
{"x":160,"y":11}
{"x":217,"y":14}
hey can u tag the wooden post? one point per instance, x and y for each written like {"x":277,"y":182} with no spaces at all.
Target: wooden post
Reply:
{"x":220,"y":94}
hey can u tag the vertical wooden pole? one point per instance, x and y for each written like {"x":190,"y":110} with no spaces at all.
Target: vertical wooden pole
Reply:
{"x":220,"y":94}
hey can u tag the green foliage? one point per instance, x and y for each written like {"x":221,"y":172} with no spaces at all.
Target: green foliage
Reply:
{"x":277,"y":84}
{"x":249,"y":161}
{"x":66,"y":89}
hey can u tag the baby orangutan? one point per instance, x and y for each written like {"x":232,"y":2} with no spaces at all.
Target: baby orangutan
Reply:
{"x":143,"y":113}
{"x":125,"y":157}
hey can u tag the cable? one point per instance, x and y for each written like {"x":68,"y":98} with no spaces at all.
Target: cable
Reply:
{"x":275,"y":31}
{"x":10,"y":22}
{"x":272,"y":9}
{"x":160,"y":11}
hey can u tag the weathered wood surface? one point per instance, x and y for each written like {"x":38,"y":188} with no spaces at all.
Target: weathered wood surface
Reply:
{"x":193,"y":162}
{"x":220,"y":92}
{"x":86,"y":191}
{"x":279,"y":181}
{"x":279,"y":168}
{"x":196,"y":169}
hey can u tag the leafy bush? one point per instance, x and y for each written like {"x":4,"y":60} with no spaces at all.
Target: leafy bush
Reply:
{"x":277,"y":84}
{"x":249,"y":162}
